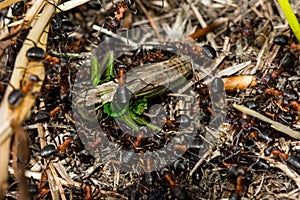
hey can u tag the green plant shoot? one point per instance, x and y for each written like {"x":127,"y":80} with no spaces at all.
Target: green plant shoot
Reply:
{"x":290,"y":16}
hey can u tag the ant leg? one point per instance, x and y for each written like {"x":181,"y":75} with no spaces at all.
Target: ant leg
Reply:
{"x":54,"y":5}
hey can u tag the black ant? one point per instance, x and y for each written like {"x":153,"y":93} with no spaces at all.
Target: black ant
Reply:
{"x":281,"y":40}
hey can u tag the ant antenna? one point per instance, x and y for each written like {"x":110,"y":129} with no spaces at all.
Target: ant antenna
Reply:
{"x":54,"y":5}
{"x":9,"y":85}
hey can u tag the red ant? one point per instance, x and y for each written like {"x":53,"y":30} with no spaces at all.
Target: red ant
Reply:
{"x":178,"y":192}
{"x":17,"y":95}
{"x":88,"y":190}
{"x":239,"y":172}
{"x":50,"y":150}
{"x":292,"y":160}
{"x":43,"y":187}
{"x":55,"y":111}
{"x":168,"y":177}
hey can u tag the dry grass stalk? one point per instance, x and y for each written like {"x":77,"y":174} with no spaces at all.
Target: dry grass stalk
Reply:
{"x":276,"y":125}
{"x":7,"y":3}
{"x":151,"y":21}
{"x":209,"y":36}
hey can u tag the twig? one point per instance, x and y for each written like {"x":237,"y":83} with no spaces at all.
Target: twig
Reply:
{"x":32,"y":13}
{"x":73,"y":184}
{"x":259,"y":56}
{"x":7,"y":3}
{"x":62,"y":171}
{"x":234,"y":69}
{"x":70,"y":5}
{"x":52,"y":185}
{"x":169,"y":15}
{"x":151,"y":21}
{"x":283,"y":167}
{"x":226,"y":3}
{"x":7,"y":34}
{"x":20,"y":158}
{"x":204,"y":31}
{"x":200,"y":161}
{"x":260,"y":186}
{"x":123,"y":39}
{"x":41,"y":135}
{"x":272,"y":55}
{"x":57,"y":181}
{"x":199,"y":17}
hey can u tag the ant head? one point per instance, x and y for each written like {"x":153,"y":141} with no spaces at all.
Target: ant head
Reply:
{"x":129,"y":2}
{"x":34,"y":78}
{"x":35,"y":53}
{"x":18,"y":9}
{"x":15,"y":98}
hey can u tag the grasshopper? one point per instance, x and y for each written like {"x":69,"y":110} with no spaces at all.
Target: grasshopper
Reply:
{"x":147,"y":81}
{"x":143,"y":82}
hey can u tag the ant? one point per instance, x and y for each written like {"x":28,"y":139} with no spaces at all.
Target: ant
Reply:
{"x":281,"y":40}
{"x":177,"y":191}
{"x":138,"y":139}
{"x":50,"y":150}
{"x":293,"y":160}
{"x":122,"y":93}
{"x":17,"y":95}
{"x":246,"y":28}
{"x":38,"y":54}
{"x":97,"y":142}
{"x":43,"y":187}
{"x":286,"y":64}
{"x":41,"y":116}
{"x":87,"y":188}
{"x":240,"y":173}
{"x":120,"y":9}
{"x":273,"y":92}
{"x":59,"y":26}
{"x":55,"y":111}
{"x":35,"y":53}
{"x":296,"y":106}
{"x":168,"y":178}
{"x":44,"y":115}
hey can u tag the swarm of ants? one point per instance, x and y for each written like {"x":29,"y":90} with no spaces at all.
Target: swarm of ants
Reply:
{"x":255,"y":58}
